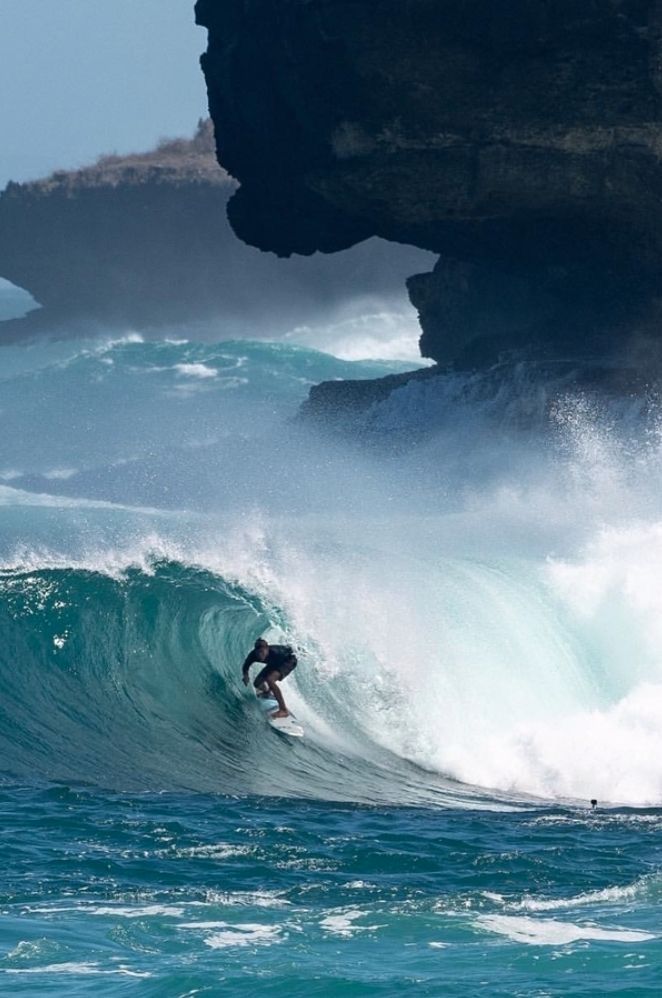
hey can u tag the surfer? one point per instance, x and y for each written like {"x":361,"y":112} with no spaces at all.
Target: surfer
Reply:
{"x":277,"y":661}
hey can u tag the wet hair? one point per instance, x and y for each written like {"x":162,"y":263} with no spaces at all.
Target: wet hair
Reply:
{"x":261,"y":643}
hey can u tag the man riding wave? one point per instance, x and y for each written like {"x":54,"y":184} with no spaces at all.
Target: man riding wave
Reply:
{"x":277,"y":661}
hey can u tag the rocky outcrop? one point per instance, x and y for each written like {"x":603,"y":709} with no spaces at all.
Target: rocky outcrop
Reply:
{"x":401,"y":410}
{"x":144,"y":241}
{"x":520,"y":141}
{"x":339,"y":405}
{"x":108,"y":241}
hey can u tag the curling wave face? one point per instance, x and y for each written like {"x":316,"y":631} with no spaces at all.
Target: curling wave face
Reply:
{"x":480,"y":611}
{"x":133,"y":683}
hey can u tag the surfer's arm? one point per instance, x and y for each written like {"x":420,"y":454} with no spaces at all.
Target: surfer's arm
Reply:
{"x":245,"y":669}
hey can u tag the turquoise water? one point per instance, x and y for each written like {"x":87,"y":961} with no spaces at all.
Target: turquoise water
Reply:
{"x":173,"y":894}
{"x":476,"y":613}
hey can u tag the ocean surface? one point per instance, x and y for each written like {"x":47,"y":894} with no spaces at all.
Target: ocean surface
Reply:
{"x":472,"y":582}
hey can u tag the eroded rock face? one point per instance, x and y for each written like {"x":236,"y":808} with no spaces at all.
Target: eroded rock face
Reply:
{"x":143,"y":241}
{"x":522,"y":141}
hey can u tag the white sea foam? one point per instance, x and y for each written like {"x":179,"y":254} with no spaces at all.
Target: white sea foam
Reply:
{"x":611,"y":754}
{"x":199,"y":370}
{"x":550,"y":932}
{"x":611,"y":748}
{"x":141,"y":911}
{"x":75,"y":968}
{"x":609,"y":895}
{"x":621,"y":895}
{"x":341,"y":922}
{"x":240,"y":934}
{"x":600,"y":816}
{"x":247,"y":899}
{"x":219,"y":850}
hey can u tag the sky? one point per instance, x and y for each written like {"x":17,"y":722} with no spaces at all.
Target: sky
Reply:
{"x":80,"y":78}
{"x":84,"y":78}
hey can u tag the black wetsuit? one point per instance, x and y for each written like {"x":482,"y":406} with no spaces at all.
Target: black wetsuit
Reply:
{"x":276,"y":658}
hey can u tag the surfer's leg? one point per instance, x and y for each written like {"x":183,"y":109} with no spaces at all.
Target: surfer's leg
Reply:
{"x":261,"y":689}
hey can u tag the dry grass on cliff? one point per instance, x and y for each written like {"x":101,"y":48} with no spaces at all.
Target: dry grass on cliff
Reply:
{"x":173,"y":161}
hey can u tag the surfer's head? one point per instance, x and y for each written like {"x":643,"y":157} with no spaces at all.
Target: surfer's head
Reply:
{"x":261,"y":649}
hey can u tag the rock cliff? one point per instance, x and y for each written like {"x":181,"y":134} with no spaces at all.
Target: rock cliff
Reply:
{"x":521,"y":141}
{"x":144,"y":241}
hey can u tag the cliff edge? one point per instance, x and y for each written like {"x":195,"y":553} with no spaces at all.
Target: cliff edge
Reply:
{"x":521,"y":142}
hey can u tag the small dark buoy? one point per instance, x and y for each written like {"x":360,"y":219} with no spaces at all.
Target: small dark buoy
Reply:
{"x":594,"y":803}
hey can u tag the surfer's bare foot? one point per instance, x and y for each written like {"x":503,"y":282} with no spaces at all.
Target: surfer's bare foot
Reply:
{"x":281,"y":713}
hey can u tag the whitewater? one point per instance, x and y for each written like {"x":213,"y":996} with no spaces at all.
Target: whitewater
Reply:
{"x":470,"y":576}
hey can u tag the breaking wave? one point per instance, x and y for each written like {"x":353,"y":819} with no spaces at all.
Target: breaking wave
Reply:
{"x":477,"y":617}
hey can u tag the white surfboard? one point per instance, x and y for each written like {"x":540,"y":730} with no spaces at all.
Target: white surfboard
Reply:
{"x":283,"y":725}
{"x":286,"y":726}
